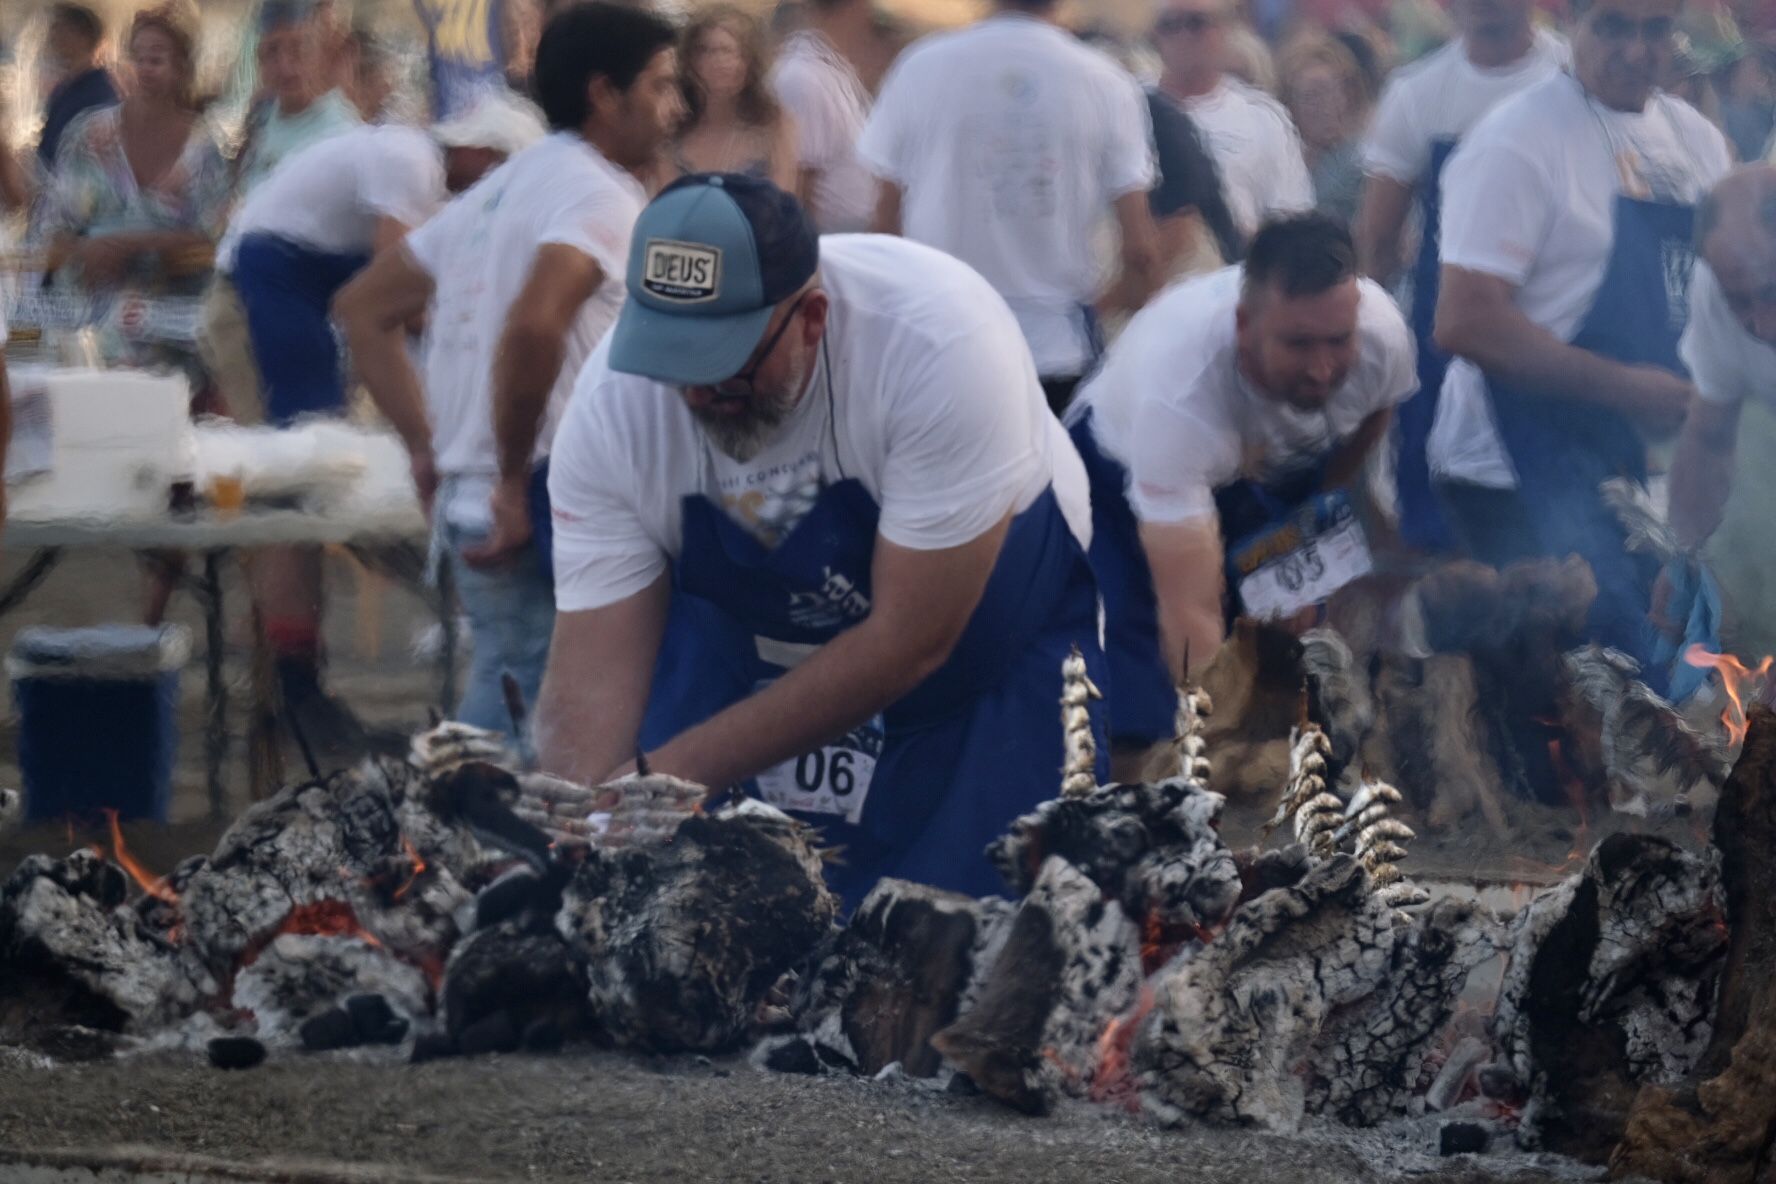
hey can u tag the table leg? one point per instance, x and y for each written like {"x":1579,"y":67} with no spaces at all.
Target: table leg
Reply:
{"x":35,"y":571}
{"x":216,"y":686}
{"x":446,"y":602}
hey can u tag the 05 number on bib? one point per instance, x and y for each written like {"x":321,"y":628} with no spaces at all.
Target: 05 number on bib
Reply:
{"x":831,"y":780}
{"x":1303,"y":560}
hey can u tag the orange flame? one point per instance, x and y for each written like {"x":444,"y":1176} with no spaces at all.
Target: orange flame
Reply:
{"x":147,"y":881}
{"x":1159,"y":941}
{"x":321,"y":918}
{"x":1113,"y":1080}
{"x":418,"y":863}
{"x":1737,"y":679}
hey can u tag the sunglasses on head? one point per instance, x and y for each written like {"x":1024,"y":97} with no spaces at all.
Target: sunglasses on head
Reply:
{"x":1186,"y":22}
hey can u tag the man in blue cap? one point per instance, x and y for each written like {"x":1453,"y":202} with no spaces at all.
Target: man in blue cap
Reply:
{"x":817,"y":534}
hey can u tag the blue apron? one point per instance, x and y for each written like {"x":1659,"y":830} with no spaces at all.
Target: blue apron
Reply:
{"x":1421,"y":519}
{"x":1563,"y":449}
{"x":960,"y":756}
{"x":1142,"y":696}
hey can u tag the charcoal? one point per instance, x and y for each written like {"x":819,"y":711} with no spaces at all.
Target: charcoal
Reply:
{"x":543,"y":1035}
{"x":374,"y":1020}
{"x":795,"y":1055}
{"x":1502,"y":1085}
{"x":433,"y":1046}
{"x":328,"y":1030}
{"x":494,"y":1033}
{"x":1462,"y":1138}
{"x":236,"y":1052}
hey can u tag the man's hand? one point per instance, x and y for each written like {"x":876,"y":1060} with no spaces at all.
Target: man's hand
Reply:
{"x":511,"y":529}
{"x":1659,"y":400}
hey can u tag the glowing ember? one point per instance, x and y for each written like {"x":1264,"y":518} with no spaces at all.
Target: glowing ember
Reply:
{"x":1113,"y":1081}
{"x":322,"y":918}
{"x":153,"y":885}
{"x":1737,"y":679}
{"x":1159,"y":941}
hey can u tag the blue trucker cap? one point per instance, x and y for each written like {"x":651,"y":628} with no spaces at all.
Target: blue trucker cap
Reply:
{"x":711,"y":256}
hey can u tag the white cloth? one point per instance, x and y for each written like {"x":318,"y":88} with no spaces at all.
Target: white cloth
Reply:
{"x":1010,"y":139}
{"x":480,"y":251}
{"x":1172,"y":407}
{"x":1529,"y":197}
{"x":1257,"y":151}
{"x":923,"y":392}
{"x":329,"y":195}
{"x":1727,"y":363}
{"x":823,"y":94}
{"x":1443,"y":95}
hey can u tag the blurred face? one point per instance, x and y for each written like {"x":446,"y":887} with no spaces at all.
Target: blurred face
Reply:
{"x":638,"y":120}
{"x":1321,"y":106}
{"x":1622,"y":49}
{"x":1493,"y":19}
{"x":289,"y":65}
{"x":157,"y":64}
{"x":719,"y":65}
{"x":1191,"y":36}
{"x":465,"y":166}
{"x":741,"y":414}
{"x":68,"y":48}
{"x":1299,"y":349}
{"x":1747,"y":278}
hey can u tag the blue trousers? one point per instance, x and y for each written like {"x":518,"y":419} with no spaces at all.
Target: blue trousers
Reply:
{"x":511,"y":613}
{"x":287,"y":290}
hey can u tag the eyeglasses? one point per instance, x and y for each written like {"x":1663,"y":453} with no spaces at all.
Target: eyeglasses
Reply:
{"x":1185,"y":22}
{"x":741,"y":384}
{"x":1613,"y":27}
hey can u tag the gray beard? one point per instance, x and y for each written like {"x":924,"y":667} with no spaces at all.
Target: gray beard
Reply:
{"x":741,"y":438}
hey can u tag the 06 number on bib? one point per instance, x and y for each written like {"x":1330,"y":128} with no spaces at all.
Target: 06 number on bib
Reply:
{"x":830,"y":780}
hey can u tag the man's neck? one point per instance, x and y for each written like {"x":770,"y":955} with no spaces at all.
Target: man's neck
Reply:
{"x":1489,"y":51}
{"x":847,"y":28}
{"x":1594,"y":97}
{"x":1045,"y":15}
{"x":1189,"y":86}
{"x":85,"y":65}
{"x":291,"y":108}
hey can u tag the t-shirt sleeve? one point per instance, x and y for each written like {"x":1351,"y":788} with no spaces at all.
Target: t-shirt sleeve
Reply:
{"x":1294,"y":185}
{"x":882,"y":145}
{"x":1180,"y":450}
{"x":405,"y":181}
{"x":1394,"y":147}
{"x":603,"y":551}
{"x":428,"y":244}
{"x":819,"y":119}
{"x":1396,"y":351}
{"x":1496,"y":211}
{"x":586,"y":219}
{"x":1711,"y":342}
{"x":1126,"y":165}
{"x":960,"y":441}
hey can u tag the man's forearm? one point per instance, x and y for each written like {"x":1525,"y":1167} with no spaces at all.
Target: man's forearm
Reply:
{"x":1512,"y":349}
{"x":524,"y":373}
{"x":844,"y":683}
{"x":1702,"y":475}
{"x":379,"y":352}
{"x":1380,"y":223}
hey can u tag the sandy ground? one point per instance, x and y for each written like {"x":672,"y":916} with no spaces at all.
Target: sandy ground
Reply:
{"x":613,"y":1118}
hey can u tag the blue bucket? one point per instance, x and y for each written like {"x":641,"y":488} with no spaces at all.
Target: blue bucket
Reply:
{"x":98,"y":718}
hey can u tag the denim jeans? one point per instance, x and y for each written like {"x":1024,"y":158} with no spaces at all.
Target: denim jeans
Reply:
{"x":511,"y":613}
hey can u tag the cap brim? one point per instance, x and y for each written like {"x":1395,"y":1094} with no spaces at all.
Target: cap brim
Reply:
{"x":684,"y":350}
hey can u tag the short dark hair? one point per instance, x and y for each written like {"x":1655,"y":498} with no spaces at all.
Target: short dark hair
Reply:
{"x":80,"y":19}
{"x":585,"y":40}
{"x":1301,"y":255}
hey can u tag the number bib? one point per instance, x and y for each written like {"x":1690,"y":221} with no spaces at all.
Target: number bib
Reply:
{"x":831,"y":780}
{"x":1303,"y":560}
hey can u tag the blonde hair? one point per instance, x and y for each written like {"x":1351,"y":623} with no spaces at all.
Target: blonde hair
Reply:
{"x":1248,"y":58}
{"x":1307,"y":50}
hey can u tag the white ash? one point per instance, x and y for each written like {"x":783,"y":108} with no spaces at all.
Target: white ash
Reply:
{"x":1234,"y":1020}
{"x":299,"y":975}
{"x":1153,"y":847}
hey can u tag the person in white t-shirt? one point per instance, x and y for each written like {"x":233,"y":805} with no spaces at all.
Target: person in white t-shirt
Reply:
{"x":1251,"y":136}
{"x":522,"y":277}
{"x":818,"y":85}
{"x":1729,"y":344}
{"x":1221,"y":436}
{"x":1566,"y":255}
{"x":1005,"y":144}
{"x":813,"y":515}
{"x":1424,"y":111}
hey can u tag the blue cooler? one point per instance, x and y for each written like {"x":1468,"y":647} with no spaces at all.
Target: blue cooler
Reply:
{"x":98,"y":718}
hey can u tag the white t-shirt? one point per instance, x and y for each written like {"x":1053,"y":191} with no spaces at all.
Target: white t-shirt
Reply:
{"x":1727,"y":363}
{"x":1172,"y":407}
{"x":329,"y":195}
{"x":923,"y":391}
{"x":1443,"y":95}
{"x":480,"y":251}
{"x":1529,"y":197}
{"x":1256,"y":150}
{"x":829,"y":104}
{"x":1010,"y":139}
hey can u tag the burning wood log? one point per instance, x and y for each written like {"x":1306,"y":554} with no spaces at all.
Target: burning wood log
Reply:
{"x":1070,"y":960}
{"x":683,"y":940}
{"x":1718,"y":1127}
{"x":1611,"y":984}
